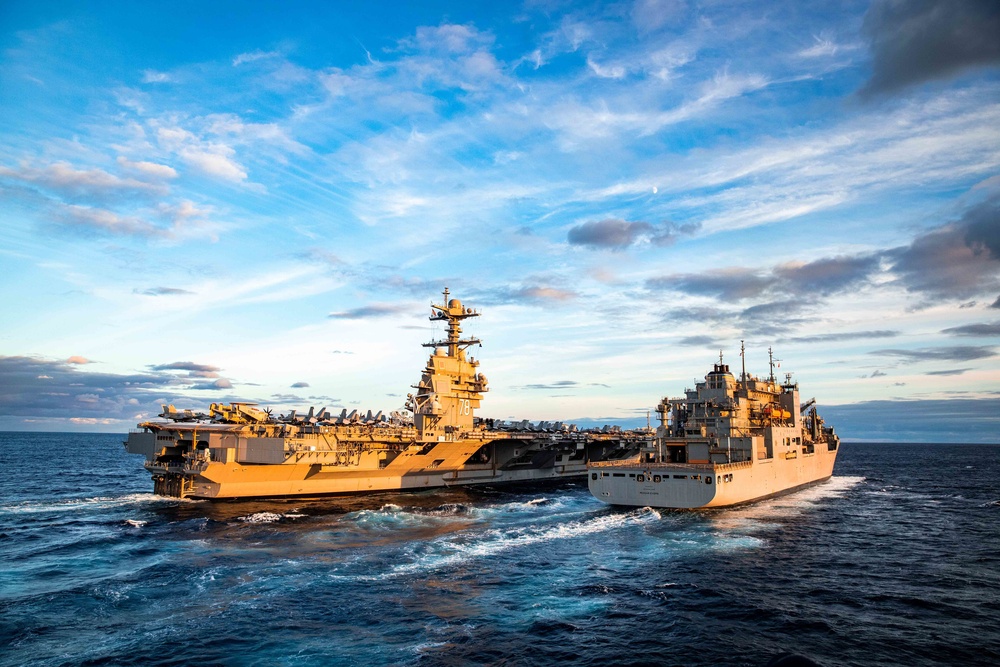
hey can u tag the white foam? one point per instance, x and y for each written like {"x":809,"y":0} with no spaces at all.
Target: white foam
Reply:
{"x":765,"y":514}
{"x":260,"y":517}
{"x":498,"y":541}
{"x":269,"y":517}
{"x":136,"y":523}
{"x":97,"y":502}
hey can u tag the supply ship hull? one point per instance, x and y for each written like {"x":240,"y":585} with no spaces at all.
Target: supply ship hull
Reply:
{"x":725,"y":443}
{"x":241,"y":451}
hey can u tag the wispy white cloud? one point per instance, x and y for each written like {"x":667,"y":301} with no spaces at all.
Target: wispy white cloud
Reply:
{"x":152,"y":76}
{"x":253,"y":56}
{"x":606,"y":71}
{"x":86,"y":218}
{"x":64,"y":179}
{"x":148,"y":169}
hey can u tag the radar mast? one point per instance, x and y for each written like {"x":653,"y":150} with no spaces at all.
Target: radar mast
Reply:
{"x":453,"y":313}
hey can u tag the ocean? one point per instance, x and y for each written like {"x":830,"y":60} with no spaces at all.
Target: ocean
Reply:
{"x":894,"y":561}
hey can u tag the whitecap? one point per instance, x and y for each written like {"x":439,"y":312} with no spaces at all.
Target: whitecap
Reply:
{"x":260,"y":517}
{"x":136,"y":523}
{"x":496,"y":541}
{"x":96,"y":502}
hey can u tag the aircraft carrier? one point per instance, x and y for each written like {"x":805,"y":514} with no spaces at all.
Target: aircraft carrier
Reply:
{"x":726,"y":442}
{"x":239,"y":450}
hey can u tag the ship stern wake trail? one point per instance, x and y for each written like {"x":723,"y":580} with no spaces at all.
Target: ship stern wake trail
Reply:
{"x":241,"y":451}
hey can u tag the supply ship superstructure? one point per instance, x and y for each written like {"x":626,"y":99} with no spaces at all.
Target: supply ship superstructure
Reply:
{"x":724,"y":443}
{"x":242,"y":451}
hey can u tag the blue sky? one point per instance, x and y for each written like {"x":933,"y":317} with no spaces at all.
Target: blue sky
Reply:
{"x":215,"y":201}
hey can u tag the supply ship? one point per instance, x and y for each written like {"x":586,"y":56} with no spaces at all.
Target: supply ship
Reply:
{"x":242,"y":451}
{"x":726,"y":442}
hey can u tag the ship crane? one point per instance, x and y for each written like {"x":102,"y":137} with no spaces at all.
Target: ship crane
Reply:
{"x":808,"y":404}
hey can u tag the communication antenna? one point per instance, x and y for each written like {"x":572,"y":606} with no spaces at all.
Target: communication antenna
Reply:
{"x":772,"y":361}
{"x":743,"y":356}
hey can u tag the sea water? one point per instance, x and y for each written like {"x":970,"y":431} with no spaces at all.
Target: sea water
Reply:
{"x":894,"y":561}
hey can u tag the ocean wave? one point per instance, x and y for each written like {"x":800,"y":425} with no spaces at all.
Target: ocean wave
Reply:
{"x":765,"y":514}
{"x":454,"y":550}
{"x":269,"y":517}
{"x":96,"y":502}
{"x":392,"y":514}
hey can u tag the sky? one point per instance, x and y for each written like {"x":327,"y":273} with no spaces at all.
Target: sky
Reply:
{"x":207,"y":202}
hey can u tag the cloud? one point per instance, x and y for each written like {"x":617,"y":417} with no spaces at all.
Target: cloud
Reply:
{"x":651,"y":15}
{"x":162,"y":291}
{"x":364,"y":312}
{"x":617,"y":234}
{"x":65,"y":180}
{"x":149,"y":169}
{"x":215,"y":162}
{"x":846,"y":335}
{"x":253,"y":56}
{"x":982,"y":329}
{"x":950,"y":371}
{"x":696,"y":341}
{"x":152,"y":76}
{"x":878,"y":374}
{"x":447,"y":37}
{"x":606,"y":71}
{"x":731,"y":284}
{"x":561,"y":384}
{"x":79,"y":361}
{"x":186,"y":366}
{"x":211,"y":157}
{"x":821,"y":277}
{"x":828,"y":275}
{"x":955,"y":261}
{"x":922,"y":40}
{"x":953,"y":353}
{"x":300,"y":385}
{"x":86,"y":218}
{"x":221,"y":383}
{"x":609,"y":233}
{"x":822,"y":47}
{"x":531,"y":294}
{"x":33,"y":387}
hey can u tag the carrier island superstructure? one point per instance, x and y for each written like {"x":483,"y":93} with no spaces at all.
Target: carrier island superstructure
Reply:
{"x":241,"y":451}
{"x":724,"y":443}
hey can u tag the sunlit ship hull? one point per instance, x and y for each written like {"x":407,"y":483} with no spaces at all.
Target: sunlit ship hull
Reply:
{"x":689,"y":486}
{"x":308,"y":470}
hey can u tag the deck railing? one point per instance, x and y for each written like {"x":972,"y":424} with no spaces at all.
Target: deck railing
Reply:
{"x":639,"y":465}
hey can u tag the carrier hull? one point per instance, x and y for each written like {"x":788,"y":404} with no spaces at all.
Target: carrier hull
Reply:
{"x":416,"y":467}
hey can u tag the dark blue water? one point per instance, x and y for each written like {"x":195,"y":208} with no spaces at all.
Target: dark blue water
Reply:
{"x":895,"y":561}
